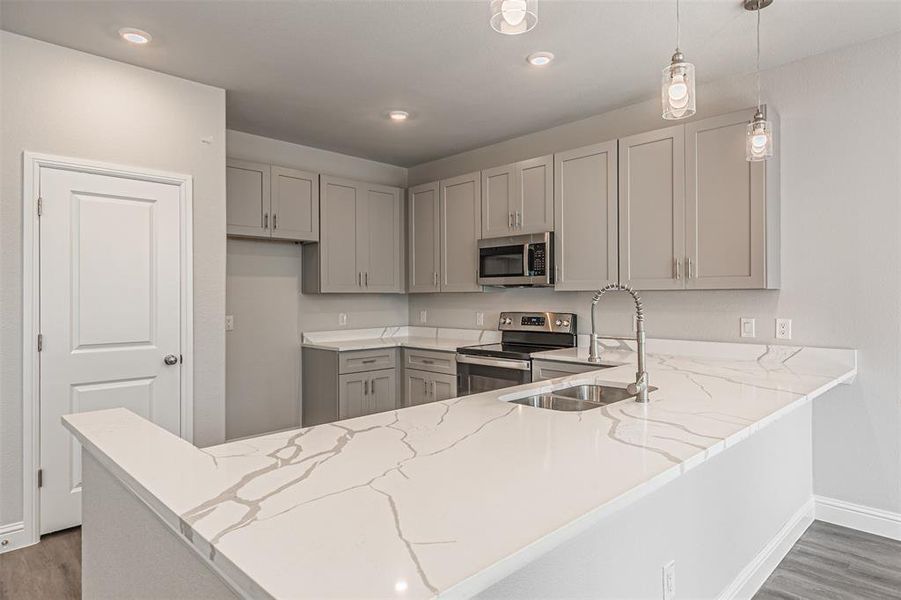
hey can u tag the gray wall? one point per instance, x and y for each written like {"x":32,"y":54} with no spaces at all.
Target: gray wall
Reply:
{"x":263,"y":295}
{"x":61,"y":101}
{"x":841,"y":157}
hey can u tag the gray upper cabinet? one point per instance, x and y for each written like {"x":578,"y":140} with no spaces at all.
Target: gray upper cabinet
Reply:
{"x":585,"y":217}
{"x":247,"y":203}
{"x":460,"y":223}
{"x":498,"y":191}
{"x":518,"y":198}
{"x":380,"y":248}
{"x":361,"y":239}
{"x":294,"y":205}
{"x":652,"y":209}
{"x":533,"y":207}
{"x":732,"y":208}
{"x":424,"y":249}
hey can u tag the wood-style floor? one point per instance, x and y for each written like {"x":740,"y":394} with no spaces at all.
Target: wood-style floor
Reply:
{"x":827,"y":563}
{"x":835,"y":563}
{"x":50,"y":570}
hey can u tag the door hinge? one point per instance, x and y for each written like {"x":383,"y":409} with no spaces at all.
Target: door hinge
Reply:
{"x":40,"y":478}
{"x":40,"y":342}
{"x":40,"y":206}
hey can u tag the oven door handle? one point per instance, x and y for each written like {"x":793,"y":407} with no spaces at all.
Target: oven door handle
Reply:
{"x":503,"y":363}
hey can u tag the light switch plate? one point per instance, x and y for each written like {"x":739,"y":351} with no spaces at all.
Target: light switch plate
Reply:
{"x":423,"y":316}
{"x":783,"y":329}
{"x":748,"y":328}
{"x":669,"y":580}
{"x":480,"y":318}
{"x":342,"y":318}
{"x":229,"y":322}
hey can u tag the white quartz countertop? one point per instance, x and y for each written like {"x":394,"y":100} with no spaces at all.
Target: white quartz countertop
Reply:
{"x":438,"y":499}
{"x":424,"y":338}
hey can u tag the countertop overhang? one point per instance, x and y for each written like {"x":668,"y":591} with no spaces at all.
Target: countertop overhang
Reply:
{"x":429,"y":500}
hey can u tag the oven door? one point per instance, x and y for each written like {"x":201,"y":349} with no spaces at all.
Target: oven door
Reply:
{"x":476,"y":374}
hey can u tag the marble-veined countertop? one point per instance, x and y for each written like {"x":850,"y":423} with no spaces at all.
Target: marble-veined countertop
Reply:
{"x":424,"y":338}
{"x":439,"y":499}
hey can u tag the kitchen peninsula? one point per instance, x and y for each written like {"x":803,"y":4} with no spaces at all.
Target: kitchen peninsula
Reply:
{"x":440,"y":499}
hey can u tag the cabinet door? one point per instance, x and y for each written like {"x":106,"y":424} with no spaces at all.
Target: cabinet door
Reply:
{"x":339,"y":213}
{"x":382,"y":392}
{"x":652,"y":209}
{"x":443,"y":387}
{"x":416,"y":387}
{"x":498,"y":189}
{"x":352,"y":395}
{"x":460,"y":225}
{"x":533,"y":205}
{"x":726,"y":206}
{"x":380,"y":233}
{"x":424,"y":248}
{"x":246,"y":199}
{"x":295,"y":205}
{"x":585,"y":238}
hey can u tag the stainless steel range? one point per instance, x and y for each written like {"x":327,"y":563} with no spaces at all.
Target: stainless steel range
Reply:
{"x":494,"y":366}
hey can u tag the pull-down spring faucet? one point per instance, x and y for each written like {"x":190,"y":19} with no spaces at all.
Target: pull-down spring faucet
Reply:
{"x":640,"y":387}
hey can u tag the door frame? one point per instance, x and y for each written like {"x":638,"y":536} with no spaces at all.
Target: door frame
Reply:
{"x":32,"y":163}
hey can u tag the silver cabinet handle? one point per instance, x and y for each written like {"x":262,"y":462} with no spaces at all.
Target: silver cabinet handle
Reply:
{"x":265,"y":220}
{"x":274,"y":221}
{"x":360,"y":278}
{"x":510,"y":220}
{"x":690,"y":271}
{"x":367,"y":278}
{"x":518,"y":221}
{"x":425,"y":387}
{"x":170,"y":359}
{"x":365,"y":387}
{"x":677,"y":267}
{"x":436,"y":278}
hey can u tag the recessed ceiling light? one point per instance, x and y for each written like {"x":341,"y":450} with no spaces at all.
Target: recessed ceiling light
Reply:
{"x":135,"y":36}
{"x":398,"y":115}
{"x":539,"y":59}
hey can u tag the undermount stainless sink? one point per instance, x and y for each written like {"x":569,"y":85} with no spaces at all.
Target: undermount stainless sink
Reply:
{"x":578,"y":397}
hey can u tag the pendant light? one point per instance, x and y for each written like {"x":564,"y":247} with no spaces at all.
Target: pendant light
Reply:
{"x":678,"y":90}
{"x":759,"y":136}
{"x":512,"y":17}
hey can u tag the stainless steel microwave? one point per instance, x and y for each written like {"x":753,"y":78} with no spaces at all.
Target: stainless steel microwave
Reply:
{"x":517,"y":261}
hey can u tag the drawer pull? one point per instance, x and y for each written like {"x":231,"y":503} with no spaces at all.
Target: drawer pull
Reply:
{"x":369,"y":361}
{"x":427,"y":361}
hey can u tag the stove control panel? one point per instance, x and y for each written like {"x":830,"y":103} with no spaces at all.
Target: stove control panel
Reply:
{"x":537,"y":321}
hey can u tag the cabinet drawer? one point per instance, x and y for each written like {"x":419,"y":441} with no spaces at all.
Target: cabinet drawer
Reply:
{"x":546,"y":369}
{"x":430,"y":360}
{"x":367,"y":360}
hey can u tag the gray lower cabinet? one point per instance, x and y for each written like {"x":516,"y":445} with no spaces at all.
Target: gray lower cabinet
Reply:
{"x":344,"y":385}
{"x":367,"y":393}
{"x":549,"y":369}
{"x":429,"y":375}
{"x":422,"y":387}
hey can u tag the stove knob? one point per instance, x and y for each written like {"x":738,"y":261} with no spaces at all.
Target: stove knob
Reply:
{"x":566,"y":323}
{"x":558,"y":322}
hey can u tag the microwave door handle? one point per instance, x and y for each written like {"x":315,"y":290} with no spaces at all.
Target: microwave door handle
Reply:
{"x":525,"y":260}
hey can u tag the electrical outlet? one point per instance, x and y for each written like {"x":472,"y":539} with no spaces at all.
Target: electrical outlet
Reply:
{"x":783,"y":329}
{"x":342,"y":319}
{"x":229,"y":322}
{"x":748,"y":328}
{"x":669,"y":580}
{"x":423,"y":316}
{"x":480,"y":319}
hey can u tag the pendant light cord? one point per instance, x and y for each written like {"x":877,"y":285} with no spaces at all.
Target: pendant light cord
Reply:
{"x":678,"y":25}
{"x":758,"y":53}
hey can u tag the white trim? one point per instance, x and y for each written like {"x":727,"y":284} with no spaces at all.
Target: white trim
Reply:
{"x":753,"y":576}
{"x":32,"y":163}
{"x":859,"y":517}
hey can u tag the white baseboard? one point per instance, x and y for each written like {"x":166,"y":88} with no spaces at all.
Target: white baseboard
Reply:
{"x":753,"y":576}
{"x":12,"y":537}
{"x":859,"y":517}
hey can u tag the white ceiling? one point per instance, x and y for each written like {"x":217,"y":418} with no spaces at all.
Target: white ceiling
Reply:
{"x":324,"y":72}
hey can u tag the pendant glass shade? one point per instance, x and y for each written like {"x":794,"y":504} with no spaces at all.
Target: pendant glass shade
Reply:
{"x":677,"y":92}
{"x":512,"y":17}
{"x":759,"y":139}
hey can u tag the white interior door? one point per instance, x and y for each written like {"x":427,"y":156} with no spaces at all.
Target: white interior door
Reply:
{"x":110,"y":294}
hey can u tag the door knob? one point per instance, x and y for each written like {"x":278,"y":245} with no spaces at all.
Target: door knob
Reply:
{"x":170,"y":359}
